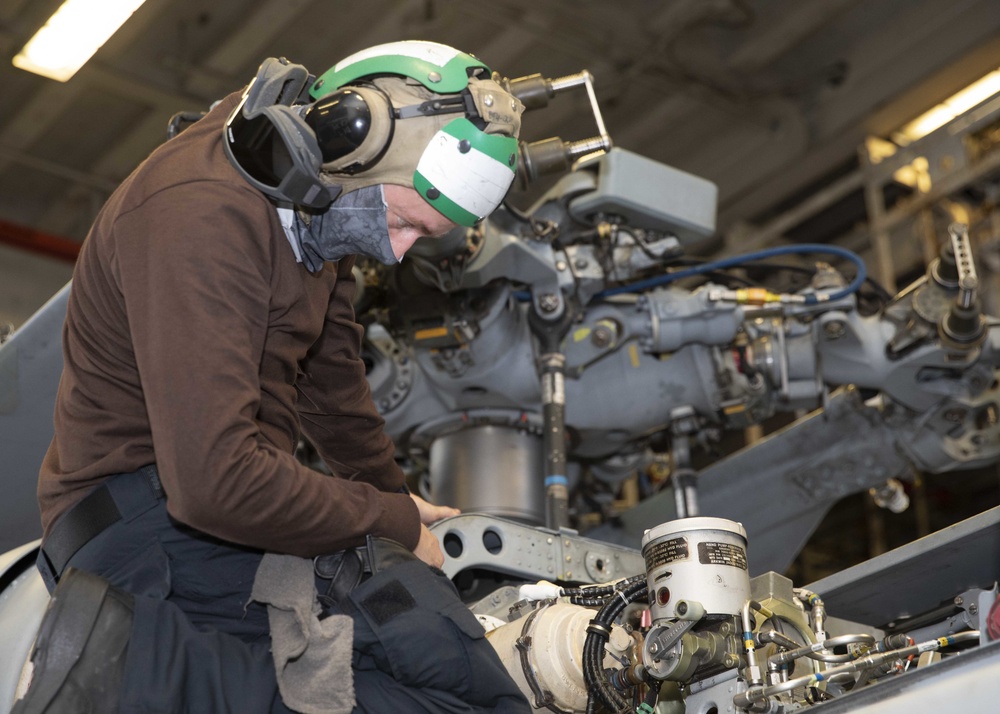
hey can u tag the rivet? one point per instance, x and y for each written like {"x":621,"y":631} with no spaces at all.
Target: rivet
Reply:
{"x":512,"y":160}
{"x":488,"y":100}
{"x":433,"y":193}
{"x":434,"y":77}
{"x":464,"y":146}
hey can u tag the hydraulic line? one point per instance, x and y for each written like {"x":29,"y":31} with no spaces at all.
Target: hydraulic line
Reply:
{"x":660,"y":280}
{"x":598,"y":633}
{"x":752,"y":667}
{"x":816,"y":651}
{"x":817,"y":611}
{"x":775,"y":637}
{"x":871,"y":661}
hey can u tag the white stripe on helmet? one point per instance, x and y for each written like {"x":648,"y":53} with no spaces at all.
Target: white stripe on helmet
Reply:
{"x":475,"y":181}
{"x":432,"y":52}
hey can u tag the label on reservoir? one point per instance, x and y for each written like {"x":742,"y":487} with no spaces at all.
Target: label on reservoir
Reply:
{"x":665,"y":552}
{"x":722,"y":554}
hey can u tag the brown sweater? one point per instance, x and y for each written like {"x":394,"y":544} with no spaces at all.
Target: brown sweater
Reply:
{"x":194,"y":340}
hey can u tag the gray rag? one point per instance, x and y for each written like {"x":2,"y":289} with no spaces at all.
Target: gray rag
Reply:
{"x":312,"y":658}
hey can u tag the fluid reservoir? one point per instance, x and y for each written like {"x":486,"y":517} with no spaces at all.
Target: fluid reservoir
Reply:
{"x":701,"y":560}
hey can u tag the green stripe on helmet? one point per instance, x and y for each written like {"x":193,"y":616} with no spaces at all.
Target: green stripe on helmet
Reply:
{"x":497,"y":146}
{"x":450,"y":78}
{"x":444,"y":205}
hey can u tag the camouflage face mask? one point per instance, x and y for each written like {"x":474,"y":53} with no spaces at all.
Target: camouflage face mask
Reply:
{"x":354,"y":224}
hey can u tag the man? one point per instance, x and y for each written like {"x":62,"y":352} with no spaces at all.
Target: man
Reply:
{"x":210,"y":320}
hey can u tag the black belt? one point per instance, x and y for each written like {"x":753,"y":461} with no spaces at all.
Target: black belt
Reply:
{"x":98,"y":510}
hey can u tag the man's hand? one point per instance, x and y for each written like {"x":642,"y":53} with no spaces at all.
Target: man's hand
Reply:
{"x":429,"y":513}
{"x":428,"y":549}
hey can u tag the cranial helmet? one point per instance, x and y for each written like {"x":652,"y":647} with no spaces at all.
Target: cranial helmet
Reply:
{"x":417,"y":114}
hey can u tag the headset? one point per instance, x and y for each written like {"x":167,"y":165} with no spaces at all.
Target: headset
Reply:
{"x":290,"y":140}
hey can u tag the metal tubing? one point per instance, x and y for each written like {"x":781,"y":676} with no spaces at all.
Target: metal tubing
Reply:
{"x":819,"y":647}
{"x":553,"y":366}
{"x":872,"y":661}
{"x":752,"y":666}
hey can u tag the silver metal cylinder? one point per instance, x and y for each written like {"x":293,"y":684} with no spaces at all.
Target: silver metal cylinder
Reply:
{"x":490,"y":469}
{"x":701,"y":560}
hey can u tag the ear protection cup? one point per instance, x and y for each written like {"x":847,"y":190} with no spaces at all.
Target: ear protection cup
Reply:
{"x":353,"y":128}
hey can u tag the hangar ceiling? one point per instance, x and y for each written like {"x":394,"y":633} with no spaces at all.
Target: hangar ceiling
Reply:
{"x":763,"y":97}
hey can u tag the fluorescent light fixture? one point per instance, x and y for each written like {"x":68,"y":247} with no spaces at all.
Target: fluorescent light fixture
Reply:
{"x":72,"y":35}
{"x":956,"y":105}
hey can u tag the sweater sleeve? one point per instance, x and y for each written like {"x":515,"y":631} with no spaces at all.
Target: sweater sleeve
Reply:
{"x":194,"y":264}
{"x":335,"y":403}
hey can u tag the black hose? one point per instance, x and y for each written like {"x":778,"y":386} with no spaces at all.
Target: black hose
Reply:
{"x":598,"y":633}
{"x":597,"y":596}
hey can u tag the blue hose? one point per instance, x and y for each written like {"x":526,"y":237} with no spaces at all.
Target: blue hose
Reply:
{"x":659,"y":280}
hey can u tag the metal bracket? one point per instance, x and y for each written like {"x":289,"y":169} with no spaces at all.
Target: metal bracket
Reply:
{"x":477,"y":540}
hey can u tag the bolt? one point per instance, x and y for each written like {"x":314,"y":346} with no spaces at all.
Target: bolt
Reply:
{"x":973,"y":609}
{"x":959,"y":601}
{"x":682,"y":608}
{"x":654,"y":648}
{"x":548,"y":302}
{"x":560,"y":265}
{"x":954,"y":415}
{"x":581,"y":263}
{"x":601,"y":336}
{"x":834,"y":329}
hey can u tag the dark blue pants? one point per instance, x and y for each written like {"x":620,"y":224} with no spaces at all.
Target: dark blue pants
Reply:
{"x":199,"y":645}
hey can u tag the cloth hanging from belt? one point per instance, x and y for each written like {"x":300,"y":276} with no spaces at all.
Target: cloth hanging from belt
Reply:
{"x":312,"y":657}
